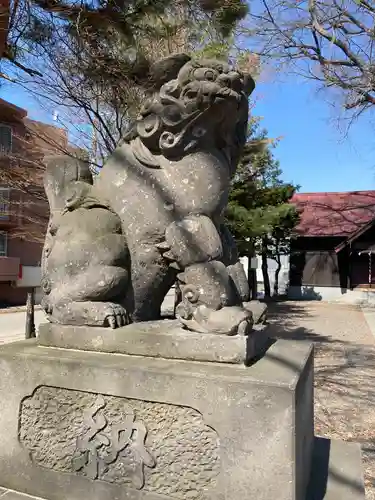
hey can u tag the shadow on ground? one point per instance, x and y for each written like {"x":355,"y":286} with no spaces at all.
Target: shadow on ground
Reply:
{"x":344,"y":375}
{"x":332,"y":474}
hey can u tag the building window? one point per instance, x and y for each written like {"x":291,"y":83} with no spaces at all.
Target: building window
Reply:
{"x":4,"y":203}
{"x":3,"y":244}
{"x":5,"y":139}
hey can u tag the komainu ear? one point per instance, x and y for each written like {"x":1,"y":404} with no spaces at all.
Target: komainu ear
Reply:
{"x":166,"y":69}
{"x":248,"y":84}
{"x":75,"y":194}
{"x":60,"y":171}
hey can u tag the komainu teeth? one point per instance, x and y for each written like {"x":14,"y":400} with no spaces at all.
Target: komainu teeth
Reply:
{"x":162,"y":246}
{"x":175,"y":266}
{"x":182,"y":277}
{"x":168,"y":256}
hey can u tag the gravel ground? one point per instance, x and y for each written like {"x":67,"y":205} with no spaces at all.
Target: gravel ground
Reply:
{"x":344,"y":371}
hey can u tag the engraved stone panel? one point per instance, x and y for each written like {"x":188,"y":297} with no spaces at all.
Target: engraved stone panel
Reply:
{"x":160,"y":447}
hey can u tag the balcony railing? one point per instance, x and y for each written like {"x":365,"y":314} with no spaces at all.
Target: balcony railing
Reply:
{"x":4,"y":203}
{"x":5,"y":150}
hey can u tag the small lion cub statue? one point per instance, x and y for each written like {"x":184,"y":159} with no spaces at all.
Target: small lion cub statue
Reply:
{"x":85,"y":265}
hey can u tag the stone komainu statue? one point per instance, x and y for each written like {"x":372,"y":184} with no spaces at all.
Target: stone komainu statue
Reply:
{"x":155,"y":212}
{"x":85,"y":263}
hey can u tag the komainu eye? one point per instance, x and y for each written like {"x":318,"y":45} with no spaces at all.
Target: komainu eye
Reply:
{"x":198,"y":131}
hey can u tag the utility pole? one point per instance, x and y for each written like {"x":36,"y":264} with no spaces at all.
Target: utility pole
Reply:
{"x":30,"y":322}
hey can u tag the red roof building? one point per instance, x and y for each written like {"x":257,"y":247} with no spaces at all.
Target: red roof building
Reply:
{"x":334,"y":244}
{"x":334,"y":214}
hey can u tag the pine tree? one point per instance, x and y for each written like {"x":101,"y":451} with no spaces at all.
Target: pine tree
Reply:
{"x":259,"y":213}
{"x":114,"y":38}
{"x":94,"y":61}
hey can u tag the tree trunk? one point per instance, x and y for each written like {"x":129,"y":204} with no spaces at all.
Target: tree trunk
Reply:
{"x":278,"y":269}
{"x":252,"y":274}
{"x":30,"y":324}
{"x":277,"y":272}
{"x":266,"y":279}
{"x":4,"y":24}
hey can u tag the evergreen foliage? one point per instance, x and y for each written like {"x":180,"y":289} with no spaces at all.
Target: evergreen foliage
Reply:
{"x":259,"y":212}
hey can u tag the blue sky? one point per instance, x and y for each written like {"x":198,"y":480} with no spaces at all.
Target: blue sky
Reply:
{"x":316,"y":150}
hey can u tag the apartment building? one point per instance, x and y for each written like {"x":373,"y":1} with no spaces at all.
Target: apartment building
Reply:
{"x":23,"y":208}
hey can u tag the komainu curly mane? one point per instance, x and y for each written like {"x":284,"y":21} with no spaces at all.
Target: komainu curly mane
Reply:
{"x":198,"y":106}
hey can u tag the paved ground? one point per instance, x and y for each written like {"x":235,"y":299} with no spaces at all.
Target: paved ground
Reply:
{"x":12,"y":324}
{"x":369,"y":314}
{"x":14,"y":495}
{"x":344,"y":371}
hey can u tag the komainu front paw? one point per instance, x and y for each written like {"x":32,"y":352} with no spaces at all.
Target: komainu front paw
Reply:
{"x":113,"y":315}
{"x":90,"y":313}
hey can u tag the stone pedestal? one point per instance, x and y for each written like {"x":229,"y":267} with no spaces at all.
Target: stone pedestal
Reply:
{"x":83,"y":424}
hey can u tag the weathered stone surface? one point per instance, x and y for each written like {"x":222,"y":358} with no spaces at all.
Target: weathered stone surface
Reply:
{"x":208,"y":284}
{"x":167,"y":170}
{"x":159,"y":202}
{"x":85,"y":256}
{"x":303,"y":427}
{"x":337,"y":473}
{"x":232,"y":320}
{"x":159,"y":339}
{"x":256,"y":414}
{"x":152,"y":446}
{"x":235,"y":268}
{"x":191,"y":240}
{"x":258,"y":310}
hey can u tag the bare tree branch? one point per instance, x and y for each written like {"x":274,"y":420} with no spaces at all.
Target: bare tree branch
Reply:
{"x":331,"y":41}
